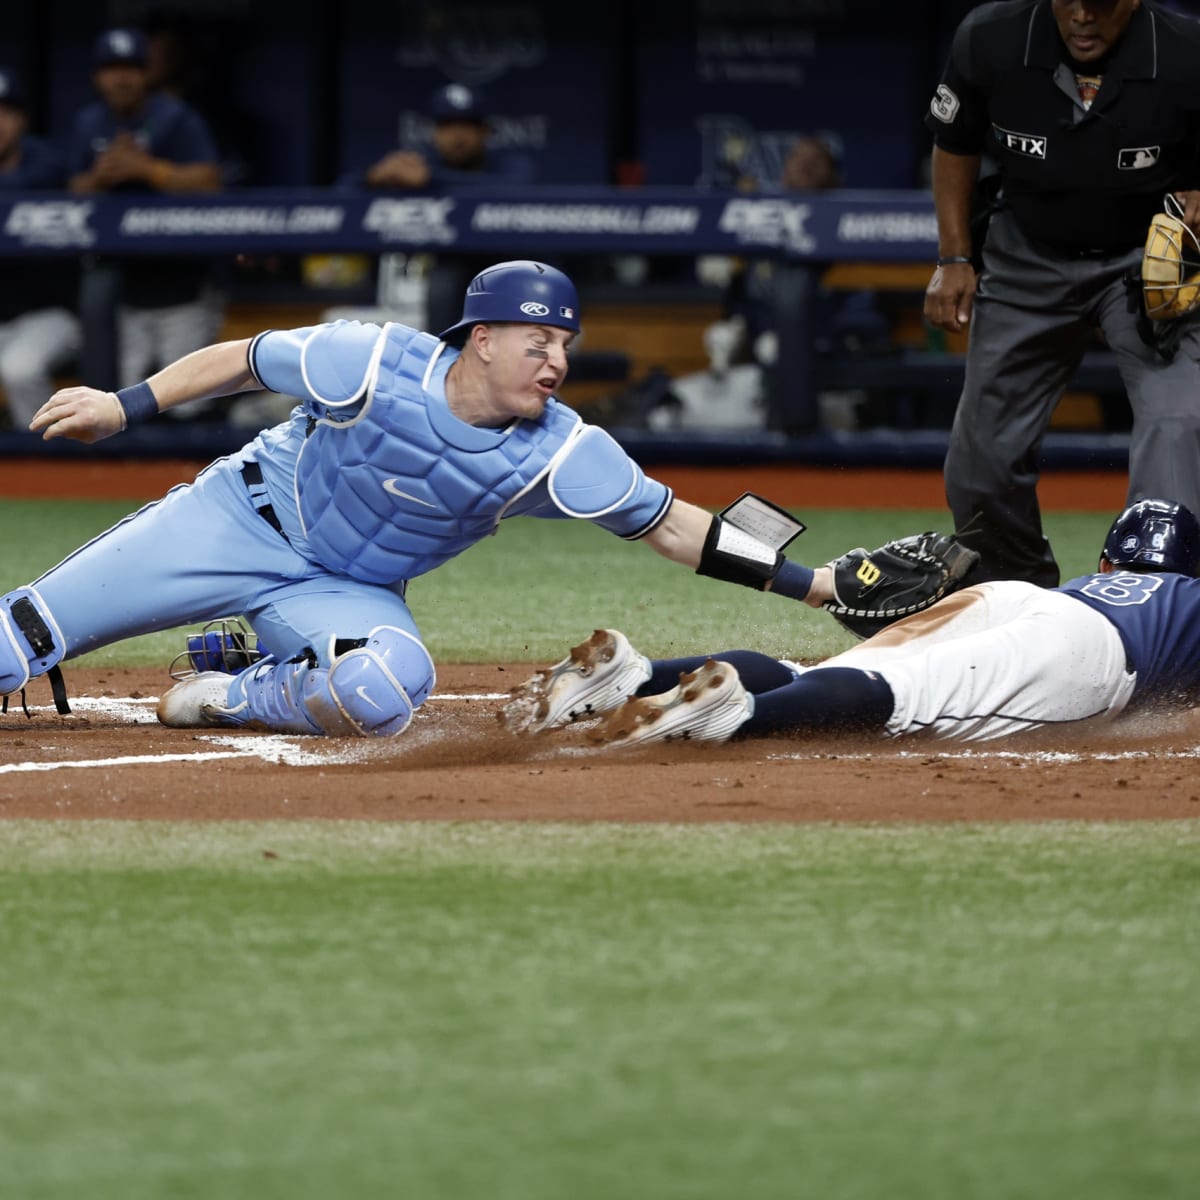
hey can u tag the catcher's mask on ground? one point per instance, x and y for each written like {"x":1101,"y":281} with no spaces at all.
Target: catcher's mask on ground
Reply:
{"x":1155,"y":535}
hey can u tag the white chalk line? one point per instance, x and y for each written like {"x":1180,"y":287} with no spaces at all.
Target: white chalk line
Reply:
{"x":1033,"y":757}
{"x":271,"y":747}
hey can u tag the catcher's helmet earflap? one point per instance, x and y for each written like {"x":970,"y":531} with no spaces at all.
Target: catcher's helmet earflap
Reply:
{"x":1155,"y":535}
{"x":517,"y":291}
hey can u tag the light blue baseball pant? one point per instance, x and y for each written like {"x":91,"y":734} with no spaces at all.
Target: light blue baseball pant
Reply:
{"x":202,"y":553}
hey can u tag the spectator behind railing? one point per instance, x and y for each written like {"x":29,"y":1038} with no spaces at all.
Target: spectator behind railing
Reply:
{"x":140,"y":313}
{"x":39,"y":332}
{"x":460,"y":155}
{"x":760,"y":300}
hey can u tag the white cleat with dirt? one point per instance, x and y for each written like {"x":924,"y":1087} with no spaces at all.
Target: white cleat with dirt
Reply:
{"x":596,"y":677}
{"x":709,"y":705}
{"x":197,"y":702}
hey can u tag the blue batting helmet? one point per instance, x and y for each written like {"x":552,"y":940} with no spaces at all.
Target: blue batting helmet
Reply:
{"x":1155,"y":535}
{"x":518,"y":291}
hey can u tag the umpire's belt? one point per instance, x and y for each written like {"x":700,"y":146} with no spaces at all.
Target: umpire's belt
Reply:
{"x":252,"y":477}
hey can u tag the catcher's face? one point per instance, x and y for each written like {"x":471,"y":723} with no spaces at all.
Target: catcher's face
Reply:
{"x":1091,"y":28}
{"x":528,"y":365}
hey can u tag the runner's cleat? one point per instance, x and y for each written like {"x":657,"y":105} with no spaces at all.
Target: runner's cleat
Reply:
{"x":709,"y":705}
{"x":596,"y":677}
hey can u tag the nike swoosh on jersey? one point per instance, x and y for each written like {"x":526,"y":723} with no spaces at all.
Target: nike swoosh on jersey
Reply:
{"x":389,"y":485}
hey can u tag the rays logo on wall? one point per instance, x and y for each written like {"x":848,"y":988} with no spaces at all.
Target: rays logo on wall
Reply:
{"x":475,"y":43}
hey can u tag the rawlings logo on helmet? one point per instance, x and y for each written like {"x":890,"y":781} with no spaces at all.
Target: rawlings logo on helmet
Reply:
{"x":531,"y":308}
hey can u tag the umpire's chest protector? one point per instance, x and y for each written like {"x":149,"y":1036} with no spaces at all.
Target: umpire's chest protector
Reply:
{"x":400,"y":485}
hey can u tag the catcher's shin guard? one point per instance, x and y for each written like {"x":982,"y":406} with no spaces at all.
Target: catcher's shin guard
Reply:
{"x":30,"y":644}
{"x":370,"y":689}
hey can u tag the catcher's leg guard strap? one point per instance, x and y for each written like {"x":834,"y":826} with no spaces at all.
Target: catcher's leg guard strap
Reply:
{"x":825,"y":699}
{"x":30,"y":644}
{"x":372,"y":689}
{"x":270,"y":694}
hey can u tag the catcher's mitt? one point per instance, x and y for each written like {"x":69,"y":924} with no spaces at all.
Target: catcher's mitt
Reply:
{"x":874,"y":588}
{"x":1170,"y":267}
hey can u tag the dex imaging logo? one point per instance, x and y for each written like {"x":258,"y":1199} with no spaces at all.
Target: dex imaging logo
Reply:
{"x":419,"y":220}
{"x":769,"y":223}
{"x":51,"y":223}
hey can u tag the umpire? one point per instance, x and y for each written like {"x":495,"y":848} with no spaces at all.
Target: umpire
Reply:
{"x":1090,"y":110}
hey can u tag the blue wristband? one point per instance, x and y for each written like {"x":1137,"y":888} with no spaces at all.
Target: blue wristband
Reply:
{"x":138,"y":402}
{"x":792,"y":580}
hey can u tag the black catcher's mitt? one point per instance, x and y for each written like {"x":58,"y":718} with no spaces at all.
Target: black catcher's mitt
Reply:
{"x":873,"y":588}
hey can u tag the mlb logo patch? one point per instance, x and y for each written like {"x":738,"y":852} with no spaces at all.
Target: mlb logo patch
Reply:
{"x":565,"y":311}
{"x":1137,"y":158}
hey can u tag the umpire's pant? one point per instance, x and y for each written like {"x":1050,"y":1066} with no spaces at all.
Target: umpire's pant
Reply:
{"x":1032,"y":322}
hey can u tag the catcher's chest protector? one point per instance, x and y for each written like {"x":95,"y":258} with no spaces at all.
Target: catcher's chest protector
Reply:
{"x":402,"y":485}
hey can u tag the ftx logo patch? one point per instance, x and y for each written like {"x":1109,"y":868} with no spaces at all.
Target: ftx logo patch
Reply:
{"x":1032,"y":145}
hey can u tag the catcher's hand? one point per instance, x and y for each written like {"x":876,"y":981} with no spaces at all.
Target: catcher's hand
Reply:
{"x":873,"y":588}
{"x":1170,"y":266}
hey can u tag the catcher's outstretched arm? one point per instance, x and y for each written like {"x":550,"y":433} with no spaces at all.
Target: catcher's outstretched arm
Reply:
{"x":684,"y":533}
{"x":680,"y":535}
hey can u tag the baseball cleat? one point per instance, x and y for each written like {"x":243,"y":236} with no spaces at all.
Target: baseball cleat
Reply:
{"x":593,"y":679}
{"x":197,"y":702}
{"x":709,"y":705}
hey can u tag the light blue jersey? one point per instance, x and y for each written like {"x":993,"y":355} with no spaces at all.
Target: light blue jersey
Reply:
{"x":371,"y":482}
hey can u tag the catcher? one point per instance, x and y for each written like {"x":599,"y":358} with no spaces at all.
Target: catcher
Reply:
{"x":405,"y":448}
{"x":995,"y":659}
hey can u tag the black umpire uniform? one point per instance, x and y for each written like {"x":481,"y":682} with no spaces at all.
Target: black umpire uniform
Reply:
{"x":1085,"y":154}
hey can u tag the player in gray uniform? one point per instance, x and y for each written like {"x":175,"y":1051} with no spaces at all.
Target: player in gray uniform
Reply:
{"x":404,"y":450}
{"x":1090,"y":110}
{"x":992,"y":660}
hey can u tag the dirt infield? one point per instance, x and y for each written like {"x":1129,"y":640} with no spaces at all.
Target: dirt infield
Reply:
{"x":111,"y":759}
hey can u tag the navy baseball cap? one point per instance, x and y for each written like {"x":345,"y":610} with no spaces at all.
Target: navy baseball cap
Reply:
{"x":11,"y":92}
{"x":457,"y":102}
{"x":120,"y":46}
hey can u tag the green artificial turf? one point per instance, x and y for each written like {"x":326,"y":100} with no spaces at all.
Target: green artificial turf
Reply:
{"x":539,"y":587}
{"x":318,"y":1009}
